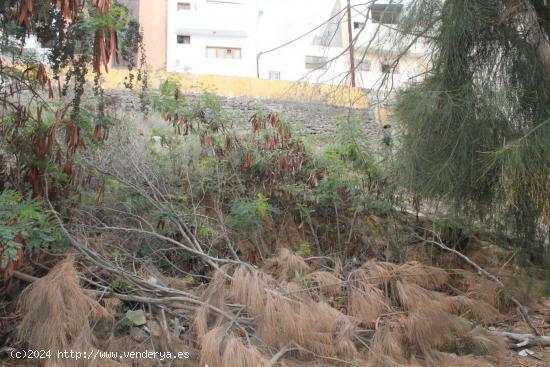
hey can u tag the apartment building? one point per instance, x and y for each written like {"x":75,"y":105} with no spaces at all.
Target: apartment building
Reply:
{"x":212,"y":36}
{"x":377,"y":46}
{"x":296,"y":40}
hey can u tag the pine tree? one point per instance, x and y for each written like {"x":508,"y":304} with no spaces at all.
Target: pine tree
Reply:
{"x":477,"y":128}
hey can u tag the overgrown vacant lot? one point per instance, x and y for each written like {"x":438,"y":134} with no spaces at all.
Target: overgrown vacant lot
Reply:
{"x":245,"y":245}
{"x":189,"y":236}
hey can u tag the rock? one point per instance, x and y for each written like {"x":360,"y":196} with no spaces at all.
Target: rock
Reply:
{"x":525,"y":353}
{"x":138,"y":335}
{"x":137,"y":317}
{"x":154,"y":328}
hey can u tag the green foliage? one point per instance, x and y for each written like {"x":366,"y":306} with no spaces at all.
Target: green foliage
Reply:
{"x":262,"y":205}
{"x":117,"y":18}
{"x":304,"y":250}
{"x":304,"y":282}
{"x":206,"y":232}
{"x":189,"y":280}
{"x":349,"y":170}
{"x":203,"y":116}
{"x":44,"y":141}
{"x":117,"y":286}
{"x":25,"y":227}
{"x":304,"y":213}
{"x":476,"y":130}
{"x":247,"y":214}
{"x":242,"y":177}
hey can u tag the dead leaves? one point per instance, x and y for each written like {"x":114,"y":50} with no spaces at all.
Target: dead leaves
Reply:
{"x":72,"y":137}
{"x":25,"y":12}
{"x":102,"y":5}
{"x":257,"y":122}
{"x":69,"y":9}
{"x":105,"y":41}
{"x":105,"y":46}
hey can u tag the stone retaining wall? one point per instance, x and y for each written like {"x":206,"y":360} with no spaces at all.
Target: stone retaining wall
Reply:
{"x":316,"y":118}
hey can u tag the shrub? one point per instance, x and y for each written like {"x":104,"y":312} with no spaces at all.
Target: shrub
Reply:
{"x":25,"y":227}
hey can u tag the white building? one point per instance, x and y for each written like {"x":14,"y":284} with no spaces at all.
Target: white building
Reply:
{"x":287,"y":39}
{"x":377,"y":46}
{"x":296,"y":40}
{"x":212,"y":37}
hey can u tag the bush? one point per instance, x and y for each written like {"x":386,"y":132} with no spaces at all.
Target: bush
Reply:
{"x":25,"y":227}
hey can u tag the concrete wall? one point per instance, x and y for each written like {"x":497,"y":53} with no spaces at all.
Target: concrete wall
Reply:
{"x":152,"y":18}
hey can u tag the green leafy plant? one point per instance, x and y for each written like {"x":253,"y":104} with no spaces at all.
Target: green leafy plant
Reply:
{"x":247,"y":214}
{"x":304,"y":250}
{"x":206,"y":232}
{"x":25,"y":227}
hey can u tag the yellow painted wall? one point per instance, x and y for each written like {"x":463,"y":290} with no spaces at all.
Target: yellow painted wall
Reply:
{"x":230,"y":86}
{"x":384,"y":115}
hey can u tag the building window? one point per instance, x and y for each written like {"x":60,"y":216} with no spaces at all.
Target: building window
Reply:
{"x":274,"y":75}
{"x":362,"y":64}
{"x":184,"y":6}
{"x":223,"y":53}
{"x":385,"y":13}
{"x":184,"y":40}
{"x":358,"y":25}
{"x":316,"y":62}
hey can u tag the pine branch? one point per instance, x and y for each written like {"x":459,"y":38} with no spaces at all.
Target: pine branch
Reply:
{"x":520,"y":307}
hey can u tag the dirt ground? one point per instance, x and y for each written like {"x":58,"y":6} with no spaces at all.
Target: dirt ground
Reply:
{"x":539,"y":358}
{"x":541,"y":355}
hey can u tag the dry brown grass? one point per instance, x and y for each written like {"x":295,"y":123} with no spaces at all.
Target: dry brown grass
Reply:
{"x":480,"y":288}
{"x":452,"y":360}
{"x":286,"y":266}
{"x":248,"y":287}
{"x":328,"y":284}
{"x":428,"y":277}
{"x":481,"y":342}
{"x":281,"y":317}
{"x":320,"y":314}
{"x":387,"y":348}
{"x":366,"y":302}
{"x":430,"y":329}
{"x":474,"y":309}
{"x":379,"y":273}
{"x":384,"y":273}
{"x":415,"y":320}
{"x":412,"y":296}
{"x":214,"y":295}
{"x":315,"y":326}
{"x":58,"y":315}
{"x":220,"y":349}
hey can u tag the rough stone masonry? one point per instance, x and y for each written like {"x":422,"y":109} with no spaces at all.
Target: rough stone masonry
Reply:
{"x":315,"y":117}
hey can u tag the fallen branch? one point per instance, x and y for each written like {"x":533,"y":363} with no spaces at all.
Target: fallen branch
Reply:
{"x":165,"y":301}
{"x":273,"y":361}
{"x":520,"y":307}
{"x":527,"y":340}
